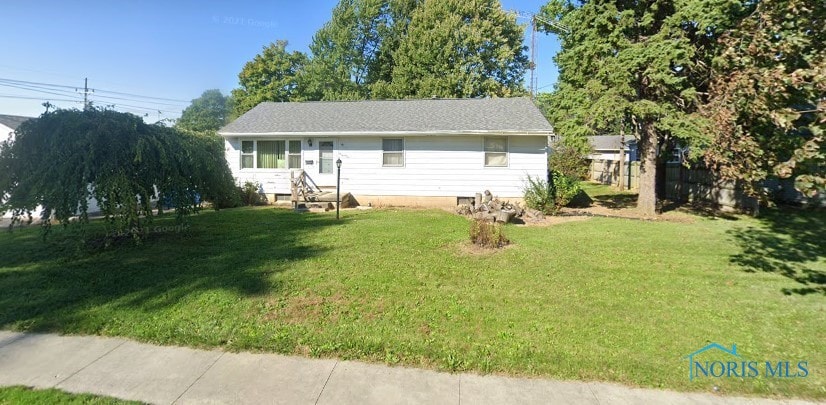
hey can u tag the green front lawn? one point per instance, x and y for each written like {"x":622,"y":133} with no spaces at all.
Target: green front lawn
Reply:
{"x":26,"y":395}
{"x":601,"y":299}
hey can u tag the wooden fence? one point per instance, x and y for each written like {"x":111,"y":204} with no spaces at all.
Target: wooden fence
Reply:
{"x":698,"y":185}
{"x":681,"y":184}
{"x":608,"y":172}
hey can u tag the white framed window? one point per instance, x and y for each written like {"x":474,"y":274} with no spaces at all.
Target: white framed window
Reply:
{"x":294,"y":155}
{"x":392,"y":152}
{"x":247,"y":154}
{"x":270,"y":154}
{"x":496,"y":151}
{"x":325,"y":156}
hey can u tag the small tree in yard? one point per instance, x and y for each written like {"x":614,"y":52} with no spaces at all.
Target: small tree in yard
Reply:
{"x":66,"y":157}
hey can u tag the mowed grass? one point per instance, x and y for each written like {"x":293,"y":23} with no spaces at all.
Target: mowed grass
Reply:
{"x":601,"y":299}
{"x":26,"y":395}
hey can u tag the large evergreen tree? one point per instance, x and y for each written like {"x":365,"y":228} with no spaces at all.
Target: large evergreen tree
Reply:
{"x":639,"y":64}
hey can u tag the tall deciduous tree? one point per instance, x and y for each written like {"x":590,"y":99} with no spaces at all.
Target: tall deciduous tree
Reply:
{"x":65,"y":157}
{"x":768,"y":97}
{"x":273,"y":75}
{"x":354,"y":50}
{"x":642,"y":64}
{"x":457,"y":48}
{"x":209,"y":112}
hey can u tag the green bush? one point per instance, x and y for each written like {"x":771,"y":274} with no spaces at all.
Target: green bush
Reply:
{"x":249,"y":194}
{"x":539,"y":195}
{"x":487,"y":234}
{"x":551,"y":197}
{"x":229,"y":201}
{"x":566,"y":188}
{"x":569,"y":161}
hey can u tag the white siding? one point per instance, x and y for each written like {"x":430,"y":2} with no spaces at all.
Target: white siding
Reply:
{"x":433,"y":166}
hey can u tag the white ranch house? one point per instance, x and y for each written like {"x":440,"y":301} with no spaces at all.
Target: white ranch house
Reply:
{"x":394,"y":152}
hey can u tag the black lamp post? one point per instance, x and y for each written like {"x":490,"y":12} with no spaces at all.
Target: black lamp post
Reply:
{"x":338,"y":186}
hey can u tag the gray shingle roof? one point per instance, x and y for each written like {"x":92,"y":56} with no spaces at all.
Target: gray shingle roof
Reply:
{"x":609,"y":142}
{"x":12,"y":121}
{"x":377,"y":116}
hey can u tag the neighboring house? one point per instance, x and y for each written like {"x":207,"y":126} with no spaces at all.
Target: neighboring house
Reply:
{"x":605,"y":158}
{"x":607,"y":147}
{"x":394,"y":152}
{"x":8,"y":124}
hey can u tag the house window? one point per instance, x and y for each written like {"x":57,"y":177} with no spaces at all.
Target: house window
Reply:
{"x":247,"y":154}
{"x":294,"y":159}
{"x":271,"y":155}
{"x":496,"y":151}
{"x":325,"y":157}
{"x":393,"y":150}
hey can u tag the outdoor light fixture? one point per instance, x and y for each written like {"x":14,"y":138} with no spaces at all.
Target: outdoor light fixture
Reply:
{"x":309,"y":141}
{"x":338,"y":186}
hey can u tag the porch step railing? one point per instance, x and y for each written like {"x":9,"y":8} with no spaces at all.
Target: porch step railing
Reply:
{"x":303,"y":188}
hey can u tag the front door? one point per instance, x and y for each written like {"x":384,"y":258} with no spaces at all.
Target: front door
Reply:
{"x":326,"y":163}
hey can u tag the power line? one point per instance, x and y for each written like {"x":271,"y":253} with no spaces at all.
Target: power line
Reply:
{"x":140,"y":101}
{"x":58,"y":90}
{"x":24,"y":82}
{"x":147,"y":97}
{"x":142,"y":108}
{"x":37,"y":83}
{"x":34,"y":87}
{"x":35,"y":90}
{"x":37,"y":98}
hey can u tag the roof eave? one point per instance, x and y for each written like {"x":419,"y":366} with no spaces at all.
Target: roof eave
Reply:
{"x":531,"y":132}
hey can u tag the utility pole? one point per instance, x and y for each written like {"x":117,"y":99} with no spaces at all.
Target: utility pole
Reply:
{"x":621,"y":179}
{"x":534,"y":18}
{"x":533,"y":56}
{"x":86,"y":93}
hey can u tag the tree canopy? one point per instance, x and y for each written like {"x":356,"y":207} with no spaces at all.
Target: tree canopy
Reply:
{"x":354,"y":50}
{"x":396,"y":49}
{"x":641,"y":65}
{"x":207,"y":113}
{"x":273,"y":75}
{"x":768,"y":97}
{"x":66,"y":157}
{"x":456,"y":48}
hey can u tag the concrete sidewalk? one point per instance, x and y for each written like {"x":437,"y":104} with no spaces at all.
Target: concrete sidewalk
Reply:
{"x":161,"y":374}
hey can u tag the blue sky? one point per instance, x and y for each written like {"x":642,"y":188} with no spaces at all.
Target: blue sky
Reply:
{"x":171,"y":50}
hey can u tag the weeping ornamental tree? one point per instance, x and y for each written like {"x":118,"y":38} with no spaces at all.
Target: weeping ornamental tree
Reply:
{"x":66,"y":157}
